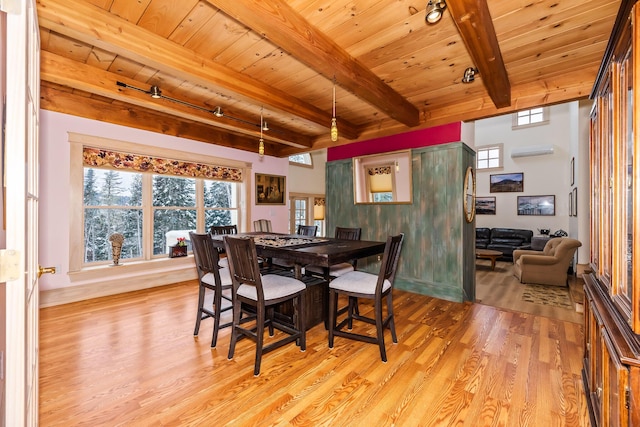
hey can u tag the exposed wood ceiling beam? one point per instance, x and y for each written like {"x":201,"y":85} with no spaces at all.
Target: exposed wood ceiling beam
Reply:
{"x":80,"y":76}
{"x":123,"y":114}
{"x":572,"y":86}
{"x":279,"y":23}
{"x":94,"y":26}
{"x":475,"y":26}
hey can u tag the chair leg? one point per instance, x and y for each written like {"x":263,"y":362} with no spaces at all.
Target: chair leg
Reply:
{"x":260,"y":315}
{"x":201,"y":292}
{"x":217,"y":302}
{"x":353,"y":309}
{"x":237,"y":308}
{"x":333,"y":308}
{"x":392,"y":322}
{"x":301,"y":322}
{"x":270,"y":314}
{"x":380,"y":329}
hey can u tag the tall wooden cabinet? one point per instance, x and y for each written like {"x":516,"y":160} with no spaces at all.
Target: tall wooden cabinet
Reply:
{"x":611,"y":372}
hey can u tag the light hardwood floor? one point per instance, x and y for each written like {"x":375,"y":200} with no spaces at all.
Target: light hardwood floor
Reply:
{"x":131,"y":359}
{"x":500,"y":288}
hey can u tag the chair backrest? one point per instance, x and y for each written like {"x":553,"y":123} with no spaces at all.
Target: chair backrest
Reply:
{"x":262,"y":225}
{"x":205,"y":255}
{"x":561,"y":247}
{"x":243,"y":263}
{"x":347,"y":233}
{"x":307,"y":230}
{"x":390,"y":261}
{"x":223,"y":229}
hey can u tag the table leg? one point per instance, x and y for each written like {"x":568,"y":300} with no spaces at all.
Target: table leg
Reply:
{"x":493,"y":263}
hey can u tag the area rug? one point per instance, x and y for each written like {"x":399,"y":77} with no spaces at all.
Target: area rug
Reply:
{"x":555,"y":296}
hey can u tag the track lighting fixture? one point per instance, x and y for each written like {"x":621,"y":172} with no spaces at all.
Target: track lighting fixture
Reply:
{"x":435,"y":8}
{"x":156,"y":93}
{"x":469,"y":75}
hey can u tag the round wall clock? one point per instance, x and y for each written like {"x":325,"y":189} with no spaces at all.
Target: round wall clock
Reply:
{"x":469,"y":202}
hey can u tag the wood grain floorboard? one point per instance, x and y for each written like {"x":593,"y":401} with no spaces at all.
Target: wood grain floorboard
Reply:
{"x":131,"y":360}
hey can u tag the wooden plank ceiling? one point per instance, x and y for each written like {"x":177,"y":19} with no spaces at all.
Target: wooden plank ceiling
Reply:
{"x":393,"y":72}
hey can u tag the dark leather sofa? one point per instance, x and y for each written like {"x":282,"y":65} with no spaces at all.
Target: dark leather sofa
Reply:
{"x":504,"y":240}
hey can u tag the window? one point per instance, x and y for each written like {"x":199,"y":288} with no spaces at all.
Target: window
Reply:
{"x":151,"y":201}
{"x":303,"y":159}
{"x":112,"y":204}
{"x":532,"y":117}
{"x":489,"y":157}
{"x":304,"y":210}
{"x":299,"y":212}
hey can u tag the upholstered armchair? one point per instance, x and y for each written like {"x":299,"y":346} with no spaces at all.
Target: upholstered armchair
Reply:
{"x":548,"y":267}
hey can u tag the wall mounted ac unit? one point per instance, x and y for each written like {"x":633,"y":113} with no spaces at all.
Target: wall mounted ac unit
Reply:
{"x":534,"y":150}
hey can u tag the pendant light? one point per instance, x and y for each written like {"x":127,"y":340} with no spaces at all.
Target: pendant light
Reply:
{"x":334,"y":126}
{"x":261,"y":145}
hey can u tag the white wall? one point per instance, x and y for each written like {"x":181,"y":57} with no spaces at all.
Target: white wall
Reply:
{"x":55,"y":189}
{"x":543,"y":175}
{"x":302,"y":179}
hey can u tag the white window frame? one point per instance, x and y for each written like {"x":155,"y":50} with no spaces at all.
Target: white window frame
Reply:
{"x":76,"y":208}
{"x":531,"y":114}
{"x":487,"y":148}
{"x":307,"y":160}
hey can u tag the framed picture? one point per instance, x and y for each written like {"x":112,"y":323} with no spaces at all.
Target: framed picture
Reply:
{"x":270,"y":189}
{"x":571,"y":203}
{"x":574,"y":202}
{"x":485,"y":205}
{"x":537,"y":205}
{"x":506,"y":183}
{"x":573,"y":170}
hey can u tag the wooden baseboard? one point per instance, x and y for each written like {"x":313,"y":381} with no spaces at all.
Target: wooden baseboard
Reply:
{"x":582,"y":269}
{"x":115,"y":286}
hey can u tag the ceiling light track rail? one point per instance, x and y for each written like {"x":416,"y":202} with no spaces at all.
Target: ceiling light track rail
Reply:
{"x":156,"y":93}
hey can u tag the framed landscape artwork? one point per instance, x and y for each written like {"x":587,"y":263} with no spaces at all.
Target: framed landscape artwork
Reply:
{"x":270,"y":189}
{"x":537,"y":205}
{"x":506,"y":183}
{"x":485,"y":205}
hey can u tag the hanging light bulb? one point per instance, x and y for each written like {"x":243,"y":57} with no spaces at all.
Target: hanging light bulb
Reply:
{"x":334,"y":125}
{"x":261,"y":144}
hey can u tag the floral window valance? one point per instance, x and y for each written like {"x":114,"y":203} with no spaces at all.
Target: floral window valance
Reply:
{"x":381,"y":170}
{"x":318,"y":201}
{"x":135,"y":162}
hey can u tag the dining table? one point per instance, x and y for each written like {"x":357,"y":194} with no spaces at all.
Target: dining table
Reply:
{"x":305,"y":250}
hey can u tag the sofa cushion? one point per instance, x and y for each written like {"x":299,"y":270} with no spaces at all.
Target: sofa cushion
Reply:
{"x":509,"y":242}
{"x":483,"y":237}
{"x":511,"y":233}
{"x":483,"y":233}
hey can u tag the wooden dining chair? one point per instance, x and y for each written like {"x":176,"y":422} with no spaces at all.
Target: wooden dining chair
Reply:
{"x":259,"y":294}
{"x":307,"y":230}
{"x":223,"y":229}
{"x":262,"y":225}
{"x":344,"y":233}
{"x":211,"y":277}
{"x":359,"y":285}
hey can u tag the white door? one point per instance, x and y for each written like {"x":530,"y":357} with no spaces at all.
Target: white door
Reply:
{"x":21,"y":175}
